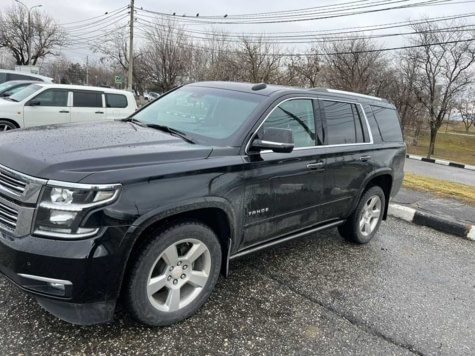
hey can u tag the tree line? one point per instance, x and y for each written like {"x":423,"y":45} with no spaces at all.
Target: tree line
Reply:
{"x":426,"y":81}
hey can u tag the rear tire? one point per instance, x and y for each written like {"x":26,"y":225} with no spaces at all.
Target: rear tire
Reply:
{"x":363,"y":224}
{"x":173,"y":274}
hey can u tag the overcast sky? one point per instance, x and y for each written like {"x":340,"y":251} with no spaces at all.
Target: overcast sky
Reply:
{"x":65,"y":12}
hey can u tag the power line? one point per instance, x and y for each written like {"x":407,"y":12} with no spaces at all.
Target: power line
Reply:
{"x":307,"y":17}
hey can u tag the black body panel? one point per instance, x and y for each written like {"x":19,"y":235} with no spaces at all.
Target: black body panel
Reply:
{"x":260,"y":196}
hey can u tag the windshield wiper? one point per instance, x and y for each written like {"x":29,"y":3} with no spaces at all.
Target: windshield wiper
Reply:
{"x":8,"y":98}
{"x":135,"y":121}
{"x":171,"y":131}
{"x":163,"y":128}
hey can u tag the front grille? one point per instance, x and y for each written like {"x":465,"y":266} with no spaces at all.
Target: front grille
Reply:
{"x":11,"y":183}
{"x":8,"y":217}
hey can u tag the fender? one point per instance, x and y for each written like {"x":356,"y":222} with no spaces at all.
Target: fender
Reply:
{"x":153,"y":216}
{"x":183,"y":206}
{"x":376,"y":173}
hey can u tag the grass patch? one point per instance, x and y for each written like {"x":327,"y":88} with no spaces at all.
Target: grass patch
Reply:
{"x":449,"y":146}
{"x":442,"y":188}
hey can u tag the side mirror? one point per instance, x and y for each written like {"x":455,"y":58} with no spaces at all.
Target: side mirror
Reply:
{"x":275,"y":139}
{"x":34,"y":103}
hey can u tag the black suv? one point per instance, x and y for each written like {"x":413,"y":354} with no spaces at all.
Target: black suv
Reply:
{"x":153,"y":207}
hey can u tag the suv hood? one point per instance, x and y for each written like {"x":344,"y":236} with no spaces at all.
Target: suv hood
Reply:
{"x":72,"y":152}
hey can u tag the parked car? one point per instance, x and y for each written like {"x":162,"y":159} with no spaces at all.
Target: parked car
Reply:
{"x":151,"y":95}
{"x":153,"y":207}
{"x":8,"y":75}
{"x":13,"y":86}
{"x":46,"y":103}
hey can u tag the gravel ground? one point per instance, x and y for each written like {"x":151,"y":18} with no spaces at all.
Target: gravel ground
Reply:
{"x":407,"y":292}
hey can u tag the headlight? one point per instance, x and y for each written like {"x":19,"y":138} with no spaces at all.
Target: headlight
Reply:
{"x":64,"y":205}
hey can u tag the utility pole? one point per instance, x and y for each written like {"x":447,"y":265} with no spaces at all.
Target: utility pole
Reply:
{"x":131,"y":47}
{"x":87,"y":70}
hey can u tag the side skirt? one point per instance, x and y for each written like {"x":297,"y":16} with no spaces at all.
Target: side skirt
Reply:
{"x":284,"y":239}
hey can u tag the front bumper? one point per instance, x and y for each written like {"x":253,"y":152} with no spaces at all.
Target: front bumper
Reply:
{"x":76,"y":280}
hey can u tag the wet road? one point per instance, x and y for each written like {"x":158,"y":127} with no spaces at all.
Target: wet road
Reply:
{"x":410,"y":291}
{"x":439,"y":171}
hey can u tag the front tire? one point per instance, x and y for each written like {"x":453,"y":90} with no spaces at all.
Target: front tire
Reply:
{"x":173,"y":274}
{"x":6,"y":125}
{"x":363,"y":224}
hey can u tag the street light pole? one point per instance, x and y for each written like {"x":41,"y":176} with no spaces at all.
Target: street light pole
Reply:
{"x":28,"y":9}
{"x":130,"y":76}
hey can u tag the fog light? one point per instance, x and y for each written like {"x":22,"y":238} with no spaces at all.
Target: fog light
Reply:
{"x":64,"y":218}
{"x":59,"y":286}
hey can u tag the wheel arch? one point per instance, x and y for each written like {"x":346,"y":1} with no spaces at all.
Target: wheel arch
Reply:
{"x":216,"y":213}
{"x":15,"y":123}
{"x":382,"y":178}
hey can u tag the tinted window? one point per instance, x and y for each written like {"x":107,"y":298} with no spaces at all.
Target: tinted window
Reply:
{"x":12,"y":76}
{"x":296,"y":115}
{"x":343,"y":123}
{"x":116,"y":101}
{"x":3,"y":77}
{"x":84,"y":99}
{"x":388,"y":123}
{"x":52,"y":97}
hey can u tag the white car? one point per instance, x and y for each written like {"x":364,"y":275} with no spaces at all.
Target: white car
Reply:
{"x":45,"y":104}
{"x":8,"y":75}
{"x":151,"y":95}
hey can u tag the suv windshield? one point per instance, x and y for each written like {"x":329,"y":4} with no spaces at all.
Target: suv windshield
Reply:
{"x":208,"y":114}
{"x":25,"y":93}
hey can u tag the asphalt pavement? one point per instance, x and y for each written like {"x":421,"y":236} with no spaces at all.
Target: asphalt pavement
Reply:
{"x":409,"y":291}
{"x":452,"y":174}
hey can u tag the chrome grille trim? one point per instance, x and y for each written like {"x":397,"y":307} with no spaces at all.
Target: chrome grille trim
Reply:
{"x":19,"y":186}
{"x":12,"y":183}
{"x":8,"y":216}
{"x":14,"y":218}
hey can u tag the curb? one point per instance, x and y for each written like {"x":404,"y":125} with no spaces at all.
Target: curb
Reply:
{"x":443,"y":224}
{"x":442,"y":162}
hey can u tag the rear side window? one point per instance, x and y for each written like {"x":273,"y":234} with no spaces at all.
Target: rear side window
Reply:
{"x":116,"y":101}
{"x":87,"y":99}
{"x":388,"y":123}
{"x":344,"y":125}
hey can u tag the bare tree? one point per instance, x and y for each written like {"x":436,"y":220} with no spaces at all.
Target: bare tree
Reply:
{"x":467,"y":112}
{"x":305,"y":70}
{"x":354,"y":65}
{"x":259,"y":61}
{"x":115,"y":48}
{"x":16,"y":33}
{"x":398,"y":89}
{"x":214,"y":59}
{"x":167,"y":54}
{"x":442,"y":61}
{"x":6,"y":61}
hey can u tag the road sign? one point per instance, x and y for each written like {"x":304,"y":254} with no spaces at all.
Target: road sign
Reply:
{"x":118,"y":79}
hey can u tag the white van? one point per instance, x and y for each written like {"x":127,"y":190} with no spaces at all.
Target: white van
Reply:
{"x":45,"y":104}
{"x":7,"y":75}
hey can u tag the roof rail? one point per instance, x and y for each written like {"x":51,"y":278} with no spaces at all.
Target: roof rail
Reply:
{"x":326,"y":90}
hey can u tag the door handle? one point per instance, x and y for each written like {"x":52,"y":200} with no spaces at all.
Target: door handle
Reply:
{"x":64,"y":111}
{"x":365,"y":158}
{"x":316,"y":165}
{"x":99,"y":112}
